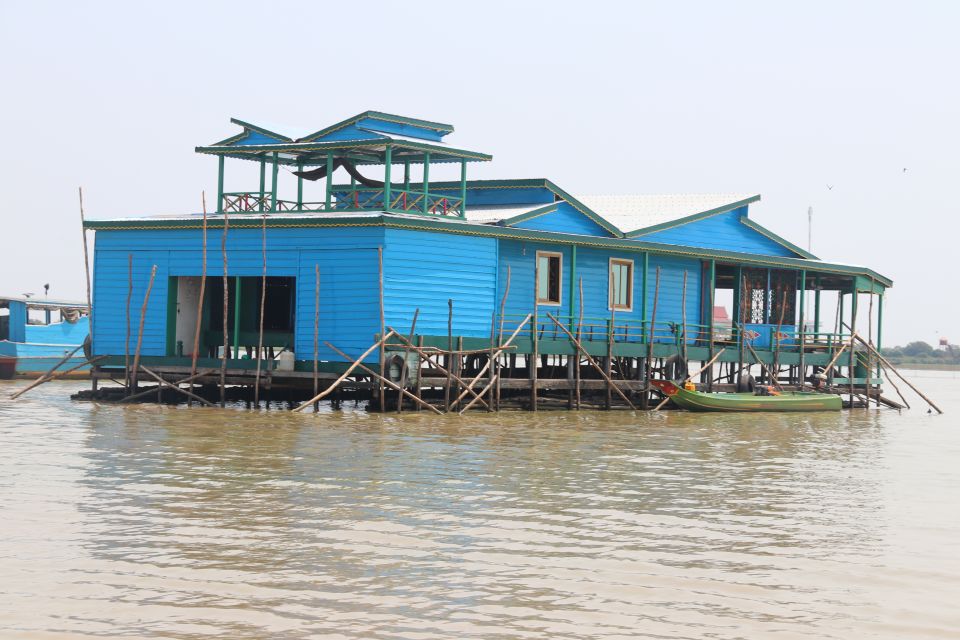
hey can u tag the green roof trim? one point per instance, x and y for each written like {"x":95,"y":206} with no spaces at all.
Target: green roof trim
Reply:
{"x":379,"y":115}
{"x":529,"y":215}
{"x":778,"y":239}
{"x":693,"y":217}
{"x":438,"y":152}
{"x":247,"y":128}
{"x":253,"y":221}
{"x":584,"y":209}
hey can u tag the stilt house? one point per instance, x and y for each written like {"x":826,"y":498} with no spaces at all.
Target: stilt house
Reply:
{"x":633,"y":276}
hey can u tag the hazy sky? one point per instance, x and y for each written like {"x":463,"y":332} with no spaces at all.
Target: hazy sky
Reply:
{"x":601,"y":97}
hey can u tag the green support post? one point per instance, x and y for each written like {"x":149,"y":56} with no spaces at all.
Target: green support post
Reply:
{"x":263,"y":183}
{"x":816,"y":307}
{"x":426,"y":183}
{"x":387,"y":162}
{"x":220,"y":184}
{"x":879,"y":345}
{"x":273,"y":185}
{"x":299,"y":186}
{"x":463,"y":188}
{"x":406,"y":175}
{"x":710,"y":336}
{"x":803,"y":319}
{"x":328,"y":198}
{"x":236,"y":317}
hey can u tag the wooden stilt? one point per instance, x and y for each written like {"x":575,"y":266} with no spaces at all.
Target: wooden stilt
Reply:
{"x":503,"y":305}
{"x":203,"y":286}
{"x":143,"y":317}
{"x":576,"y":354}
{"x":418,"y":390}
{"x":164,"y":384}
{"x":533,"y":360}
{"x":382,"y":352}
{"x":189,"y":379}
{"x":449,"y":358}
{"x":650,"y":339}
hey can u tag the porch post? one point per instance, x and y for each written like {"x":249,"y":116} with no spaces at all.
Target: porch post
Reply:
{"x":643,"y":296}
{"x":220,"y":184}
{"x":816,"y":307}
{"x":803,"y":318}
{"x":710,"y":336}
{"x":263,"y":183}
{"x":426,"y":183}
{"x":463,"y":188}
{"x":879,"y":328}
{"x":236,"y":317}
{"x":299,"y":186}
{"x":328,"y":198}
{"x":387,"y":196}
{"x":573,"y":281}
{"x":273,"y":185}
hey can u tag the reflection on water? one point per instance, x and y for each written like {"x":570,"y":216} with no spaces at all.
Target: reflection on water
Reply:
{"x":175,"y":523}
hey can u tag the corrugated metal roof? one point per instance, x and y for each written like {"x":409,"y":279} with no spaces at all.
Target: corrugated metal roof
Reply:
{"x":633,"y":212}
{"x":492,"y":213}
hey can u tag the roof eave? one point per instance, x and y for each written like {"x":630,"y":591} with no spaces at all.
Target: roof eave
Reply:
{"x":692,"y":217}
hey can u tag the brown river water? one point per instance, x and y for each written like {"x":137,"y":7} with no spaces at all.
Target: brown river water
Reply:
{"x":164,"y":522}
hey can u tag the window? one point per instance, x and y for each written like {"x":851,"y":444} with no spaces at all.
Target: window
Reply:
{"x":549,"y":266}
{"x":621,"y":284}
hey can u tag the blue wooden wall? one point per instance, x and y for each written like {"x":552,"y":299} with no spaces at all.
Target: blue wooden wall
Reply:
{"x":593,"y":266}
{"x":349,"y":309}
{"x":424,"y":270}
{"x":566,"y":219}
{"x":723,"y":231}
{"x":18,"y":321}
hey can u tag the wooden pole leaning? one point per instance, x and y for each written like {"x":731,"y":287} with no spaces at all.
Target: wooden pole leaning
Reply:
{"x":763,"y":366}
{"x":382,"y":352}
{"x":533,"y":360}
{"x":354,"y":365}
{"x":576,"y":354}
{"x":503,"y":305}
{"x":449,"y":367}
{"x":469,"y":386}
{"x":86,"y":265}
{"x":175,"y":387}
{"x":590,"y":359}
{"x":389,"y":383}
{"x":203,"y":287}
{"x":887,"y":363}
{"x":49,"y":375}
{"x":189,"y":379}
{"x":426,"y":357}
{"x":693,"y":375}
{"x":263,"y":303}
{"x":143,"y":317}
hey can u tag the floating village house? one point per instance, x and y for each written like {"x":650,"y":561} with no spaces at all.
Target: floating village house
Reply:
{"x":634,"y":278}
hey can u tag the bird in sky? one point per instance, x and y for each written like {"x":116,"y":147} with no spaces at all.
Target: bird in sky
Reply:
{"x":830,"y":187}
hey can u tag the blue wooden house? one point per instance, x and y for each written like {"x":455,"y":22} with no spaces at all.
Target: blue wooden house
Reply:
{"x":388,"y":241}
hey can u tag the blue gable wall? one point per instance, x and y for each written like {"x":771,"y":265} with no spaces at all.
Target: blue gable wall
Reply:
{"x":723,"y":231}
{"x":411,"y":130}
{"x":423,"y":270}
{"x":254,"y":137}
{"x":349,"y":306}
{"x":350,"y":132}
{"x":565,"y":219}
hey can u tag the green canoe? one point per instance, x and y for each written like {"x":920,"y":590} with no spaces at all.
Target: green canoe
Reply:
{"x":787,"y":401}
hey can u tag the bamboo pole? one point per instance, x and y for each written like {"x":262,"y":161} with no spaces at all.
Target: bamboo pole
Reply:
{"x":46,"y":376}
{"x":893,"y":384}
{"x":870,"y":340}
{"x":382,"y":351}
{"x":316,"y":333}
{"x":533,"y":360}
{"x":608,"y":365}
{"x":483,"y":370}
{"x":683,"y":320}
{"x":776,"y":354}
{"x":86,"y":267}
{"x":836,"y":356}
{"x":143,"y":317}
{"x":576,"y":369}
{"x":226,"y":312}
{"x":59,"y":374}
{"x":126,"y":344}
{"x":887,"y":363}
{"x":203,"y":287}
{"x":590,"y":359}
{"x":503,"y":305}
{"x":491,"y":361}
{"x":263,"y":302}
{"x":354,"y":365}
{"x":406,"y":356}
{"x":389,"y":383}
{"x":446,"y":391}
{"x":477,"y":399}
{"x":650,"y":338}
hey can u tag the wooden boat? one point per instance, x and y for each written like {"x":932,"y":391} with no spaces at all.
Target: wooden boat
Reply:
{"x":786,"y":401}
{"x":35,"y":334}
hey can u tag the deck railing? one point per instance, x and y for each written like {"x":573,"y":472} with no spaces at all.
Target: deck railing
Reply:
{"x":353,"y":199}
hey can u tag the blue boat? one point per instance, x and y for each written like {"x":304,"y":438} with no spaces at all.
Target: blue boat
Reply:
{"x":36,"y":334}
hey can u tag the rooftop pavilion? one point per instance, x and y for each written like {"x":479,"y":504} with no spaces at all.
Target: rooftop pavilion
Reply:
{"x":369,"y":139}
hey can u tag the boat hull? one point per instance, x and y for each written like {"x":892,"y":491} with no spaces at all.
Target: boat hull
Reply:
{"x":748,"y":402}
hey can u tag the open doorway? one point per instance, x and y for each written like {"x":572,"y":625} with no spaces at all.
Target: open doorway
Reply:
{"x":243,"y":315}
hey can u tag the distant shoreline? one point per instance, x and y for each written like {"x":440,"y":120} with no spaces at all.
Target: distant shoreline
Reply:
{"x":927,"y":366}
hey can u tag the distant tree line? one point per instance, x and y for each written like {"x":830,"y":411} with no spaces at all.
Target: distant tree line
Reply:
{"x":920,"y":352}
